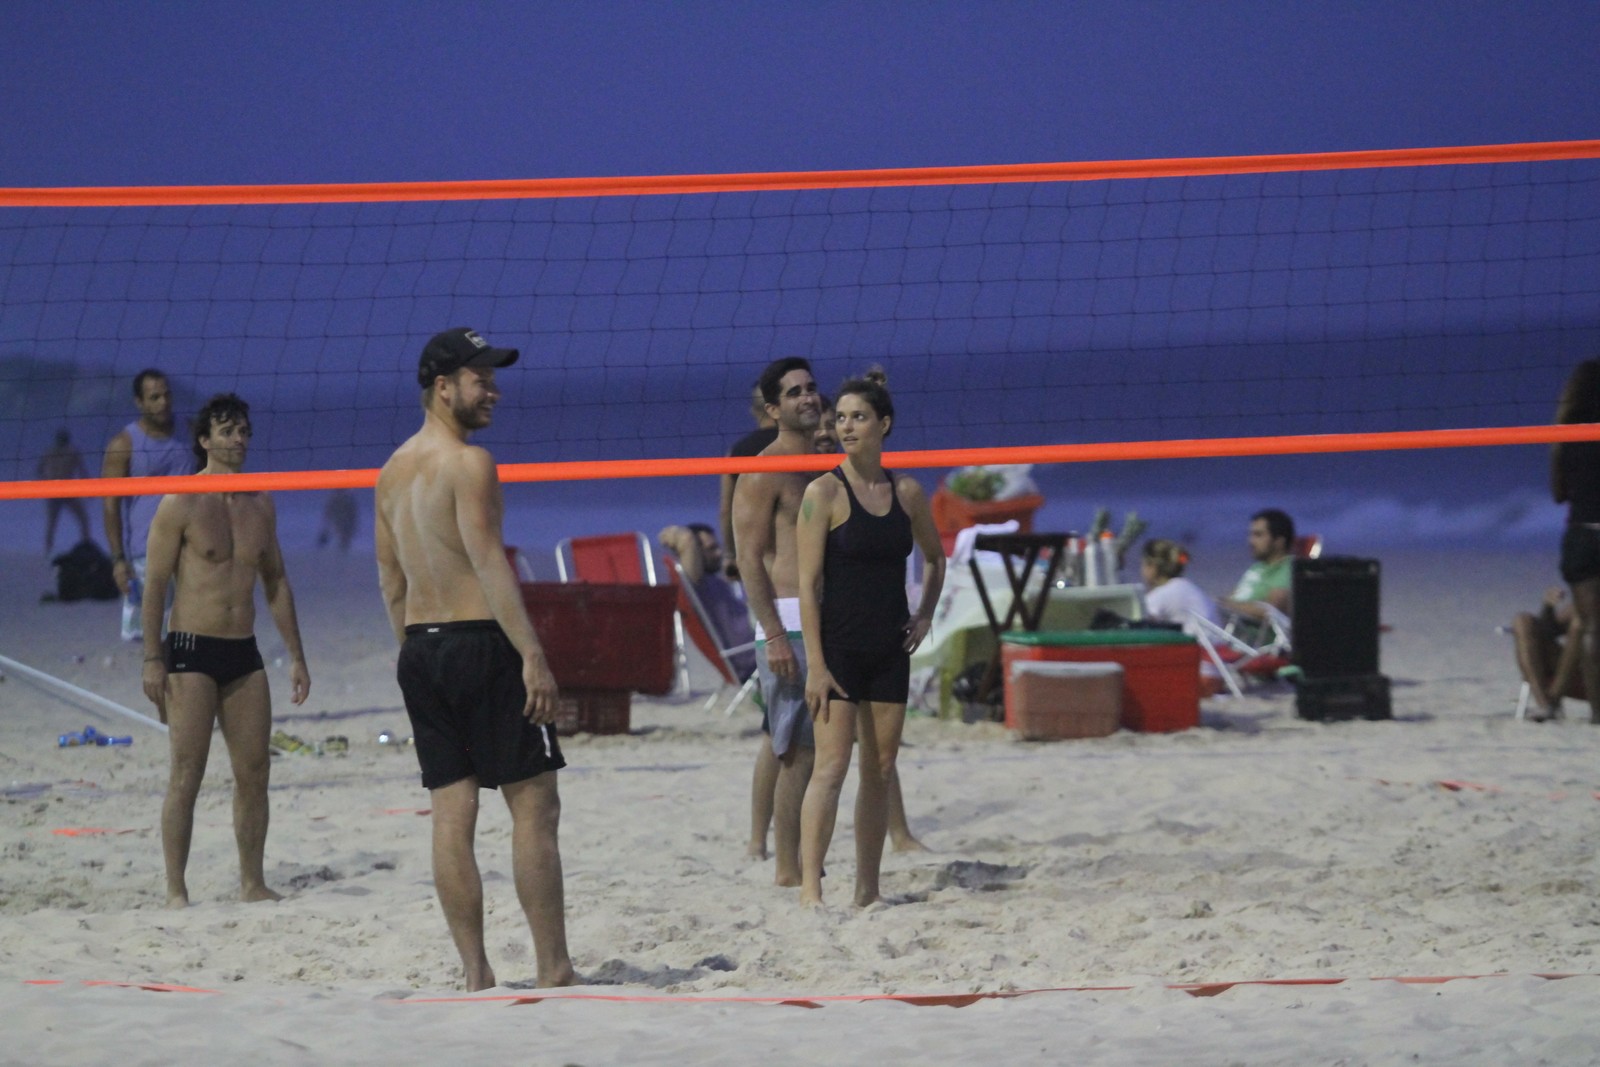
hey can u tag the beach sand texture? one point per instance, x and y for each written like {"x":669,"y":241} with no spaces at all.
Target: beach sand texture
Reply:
{"x":1258,"y":846}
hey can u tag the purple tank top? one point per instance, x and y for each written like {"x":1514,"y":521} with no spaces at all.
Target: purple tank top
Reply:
{"x":149,"y":458}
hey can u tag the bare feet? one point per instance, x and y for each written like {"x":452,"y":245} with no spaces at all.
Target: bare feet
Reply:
{"x":868,"y":901}
{"x":178,"y":900}
{"x":563,"y":976}
{"x":480,"y":978}
{"x":811,"y":900}
{"x":907,"y":844}
{"x":257,"y":893}
{"x":756,"y":850}
{"x":786,"y":879}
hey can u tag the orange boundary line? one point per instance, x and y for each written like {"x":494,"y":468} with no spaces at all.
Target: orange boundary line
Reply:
{"x":588,"y":470}
{"x":956,"y":1000}
{"x":949,"y":1000}
{"x":650,"y":185}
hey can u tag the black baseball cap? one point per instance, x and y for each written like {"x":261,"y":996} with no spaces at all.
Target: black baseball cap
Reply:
{"x":451,"y":350}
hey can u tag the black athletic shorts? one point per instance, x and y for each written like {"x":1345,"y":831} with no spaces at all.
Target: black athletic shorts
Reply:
{"x":222,"y":659}
{"x":1580,"y":553}
{"x":462,"y":683}
{"x":882,"y":676}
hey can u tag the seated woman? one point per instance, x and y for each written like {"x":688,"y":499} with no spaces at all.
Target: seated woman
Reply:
{"x":1169,"y":596}
{"x":1547,"y":654}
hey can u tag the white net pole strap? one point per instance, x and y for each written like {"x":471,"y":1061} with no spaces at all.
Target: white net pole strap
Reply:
{"x":50,"y":681}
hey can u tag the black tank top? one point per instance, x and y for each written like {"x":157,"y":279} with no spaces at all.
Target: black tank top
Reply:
{"x":1580,"y":466}
{"x":864,"y":575}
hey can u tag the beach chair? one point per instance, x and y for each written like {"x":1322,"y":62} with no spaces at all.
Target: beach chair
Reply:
{"x":520,"y":564}
{"x":621,"y":558}
{"x":1237,"y":660}
{"x":694,"y":623}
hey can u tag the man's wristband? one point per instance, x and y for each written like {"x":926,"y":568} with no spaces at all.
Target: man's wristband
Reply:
{"x":154,"y":659}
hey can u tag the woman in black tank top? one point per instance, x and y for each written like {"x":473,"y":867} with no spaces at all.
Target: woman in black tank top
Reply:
{"x":1575,"y":481}
{"x":857,"y":526}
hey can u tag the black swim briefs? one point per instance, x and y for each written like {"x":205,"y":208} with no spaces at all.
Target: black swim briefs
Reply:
{"x":223,"y":659}
{"x":462,"y":683}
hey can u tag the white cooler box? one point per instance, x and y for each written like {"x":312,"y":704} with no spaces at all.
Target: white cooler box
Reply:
{"x":1050,"y":700}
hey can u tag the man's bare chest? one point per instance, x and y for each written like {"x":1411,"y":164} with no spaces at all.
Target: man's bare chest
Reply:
{"x":223,"y":530}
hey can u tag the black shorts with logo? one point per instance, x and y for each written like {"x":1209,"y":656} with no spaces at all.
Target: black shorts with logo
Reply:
{"x":462,"y":683}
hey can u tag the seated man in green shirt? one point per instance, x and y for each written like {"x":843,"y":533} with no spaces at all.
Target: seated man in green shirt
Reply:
{"x":1267,"y":579}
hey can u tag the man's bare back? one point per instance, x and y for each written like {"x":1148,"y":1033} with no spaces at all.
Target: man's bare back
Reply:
{"x":417,"y":506}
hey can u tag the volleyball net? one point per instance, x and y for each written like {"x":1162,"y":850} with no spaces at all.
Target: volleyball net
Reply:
{"x":1034,"y":313}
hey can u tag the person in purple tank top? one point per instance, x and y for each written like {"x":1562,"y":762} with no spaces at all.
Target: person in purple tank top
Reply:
{"x":145,"y":447}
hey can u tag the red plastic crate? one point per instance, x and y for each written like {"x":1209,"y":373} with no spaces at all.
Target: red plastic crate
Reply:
{"x":593,"y":711}
{"x":1161,"y":671}
{"x":605,"y":636}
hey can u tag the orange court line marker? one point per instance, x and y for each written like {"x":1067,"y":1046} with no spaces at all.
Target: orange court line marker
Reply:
{"x":89,"y":831}
{"x":949,"y":1000}
{"x":406,"y":811}
{"x":149,"y":987}
{"x":956,"y":1000}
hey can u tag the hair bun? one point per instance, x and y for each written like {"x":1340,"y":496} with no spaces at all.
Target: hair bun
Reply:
{"x":877,"y":375}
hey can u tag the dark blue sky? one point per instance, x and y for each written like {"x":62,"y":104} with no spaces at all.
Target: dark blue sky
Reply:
{"x":102,"y":93}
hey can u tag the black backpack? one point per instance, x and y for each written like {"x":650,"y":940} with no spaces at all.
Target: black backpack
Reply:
{"x":83,"y":572}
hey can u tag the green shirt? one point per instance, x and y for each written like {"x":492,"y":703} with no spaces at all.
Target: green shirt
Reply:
{"x":1263,"y":578}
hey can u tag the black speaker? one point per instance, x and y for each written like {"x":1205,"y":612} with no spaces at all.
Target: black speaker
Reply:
{"x":1336,"y":616}
{"x":1337,"y":699}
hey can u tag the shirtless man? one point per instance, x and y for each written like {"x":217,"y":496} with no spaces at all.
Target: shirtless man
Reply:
{"x":765,"y":507}
{"x":480,"y":695}
{"x":208,"y":669}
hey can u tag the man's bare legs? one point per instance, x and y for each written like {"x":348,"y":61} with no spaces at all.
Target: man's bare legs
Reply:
{"x":794,"y":774}
{"x":535,"y":806}
{"x":1586,"y":603}
{"x":246,"y":714}
{"x":762,"y":785}
{"x":879,"y":727}
{"x":456,"y":878}
{"x":190,"y":714}
{"x":835,"y":739}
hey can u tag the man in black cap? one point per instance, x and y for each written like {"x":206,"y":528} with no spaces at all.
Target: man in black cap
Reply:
{"x":480,"y":695}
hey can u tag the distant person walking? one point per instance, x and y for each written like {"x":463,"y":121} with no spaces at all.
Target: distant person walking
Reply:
{"x":1575,"y":481}
{"x":62,"y":462}
{"x":144,"y":448}
{"x":339,"y":516}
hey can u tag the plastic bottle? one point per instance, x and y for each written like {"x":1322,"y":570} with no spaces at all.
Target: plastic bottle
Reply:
{"x":1106,"y":550}
{"x":1091,"y":565}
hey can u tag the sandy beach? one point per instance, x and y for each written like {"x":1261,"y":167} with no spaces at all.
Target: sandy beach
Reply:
{"x":1451,"y":841}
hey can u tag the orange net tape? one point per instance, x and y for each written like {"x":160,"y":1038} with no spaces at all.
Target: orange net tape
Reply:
{"x":947,"y":457}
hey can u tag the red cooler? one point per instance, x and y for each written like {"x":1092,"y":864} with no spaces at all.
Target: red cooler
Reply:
{"x":1161,"y":669}
{"x":605,"y":636}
